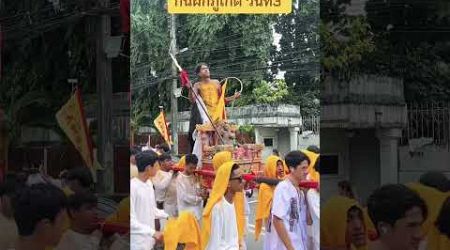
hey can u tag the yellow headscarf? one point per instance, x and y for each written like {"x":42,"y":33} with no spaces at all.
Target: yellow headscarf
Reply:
{"x":314,"y":175}
{"x":218,"y":191}
{"x":183,"y":229}
{"x":434,"y":199}
{"x":220,"y":158}
{"x":122,"y":215}
{"x":334,"y":221}
{"x":265,"y":194}
{"x":182,"y":162}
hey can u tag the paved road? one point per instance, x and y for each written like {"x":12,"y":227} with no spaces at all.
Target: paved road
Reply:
{"x":250,"y":237}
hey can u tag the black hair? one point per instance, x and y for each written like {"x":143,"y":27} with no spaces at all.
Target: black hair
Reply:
{"x":360,"y":211}
{"x":347,"y":186}
{"x":443,"y":220}
{"x":164,"y":157}
{"x":35,"y":203}
{"x":390,"y":203}
{"x":77,"y":200}
{"x":199,"y":67}
{"x":235,"y":166}
{"x":82,"y":175}
{"x":294,"y":158}
{"x":164,"y":146}
{"x":314,"y":149}
{"x":144,"y":159}
{"x":435,"y":180}
{"x":191,"y":159}
{"x":134,"y":150}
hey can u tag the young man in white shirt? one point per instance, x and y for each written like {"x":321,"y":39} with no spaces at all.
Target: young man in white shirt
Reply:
{"x":188,"y":195}
{"x":222,"y":220}
{"x":161,"y":182}
{"x":39,"y":213}
{"x":82,"y":234}
{"x":287,"y":226}
{"x":143,"y":210}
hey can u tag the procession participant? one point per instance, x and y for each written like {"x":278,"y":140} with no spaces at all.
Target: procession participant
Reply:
{"x":83,"y":233}
{"x":188,"y":196}
{"x":39,"y":213}
{"x":398,"y":214}
{"x":161,"y":182}
{"x":288,"y":229}
{"x":143,"y":205}
{"x":434,"y":199}
{"x":171,"y":198}
{"x":274,"y":168}
{"x":211,"y":95}
{"x":220,"y":227}
{"x":343,"y":225}
{"x":240,"y":200}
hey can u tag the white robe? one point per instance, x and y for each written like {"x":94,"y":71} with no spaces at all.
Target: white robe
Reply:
{"x":224,"y":231}
{"x":72,"y":240}
{"x":143,"y":213}
{"x":313,"y":197}
{"x":187,"y":197}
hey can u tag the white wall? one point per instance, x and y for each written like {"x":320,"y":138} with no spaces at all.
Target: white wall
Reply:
{"x":364,"y":163}
{"x":334,"y":141}
{"x":306,"y":141}
{"x":425,"y":159}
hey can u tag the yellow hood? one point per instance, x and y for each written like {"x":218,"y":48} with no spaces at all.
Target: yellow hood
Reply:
{"x":334,"y":221}
{"x":220,"y":158}
{"x":313,"y":174}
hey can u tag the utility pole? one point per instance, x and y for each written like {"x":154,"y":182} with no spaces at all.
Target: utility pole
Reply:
{"x":104,"y":105}
{"x":173,"y":98}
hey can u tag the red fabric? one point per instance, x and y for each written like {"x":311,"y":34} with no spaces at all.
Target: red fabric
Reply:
{"x":125,"y":15}
{"x":184,"y":77}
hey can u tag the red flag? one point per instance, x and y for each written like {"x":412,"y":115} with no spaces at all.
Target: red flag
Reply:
{"x":184,"y":77}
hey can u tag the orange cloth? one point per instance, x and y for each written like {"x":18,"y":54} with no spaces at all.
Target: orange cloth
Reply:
{"x":215,"y":104}
{"x":183,"y":229}
{"x":182,"y":162}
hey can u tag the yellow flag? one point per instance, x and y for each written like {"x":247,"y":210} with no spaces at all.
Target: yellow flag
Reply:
{"x":72,"y":121}
{"x":161,"y":126}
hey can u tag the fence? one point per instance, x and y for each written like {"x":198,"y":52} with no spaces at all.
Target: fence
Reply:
{"x":428,"y":120}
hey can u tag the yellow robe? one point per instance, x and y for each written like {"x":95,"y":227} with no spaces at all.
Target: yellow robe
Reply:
{"x":265,"y":195}
{"x":183,"y":229}
{"x":215,"y":103}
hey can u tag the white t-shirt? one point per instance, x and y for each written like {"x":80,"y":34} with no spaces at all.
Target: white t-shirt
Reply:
{"x":313,"y":197}
{"x":72,"y":240}
{"x":224,"y":231}
{"x":187,"y":198}
{"x":143,"y":213}
{"x":286,"y":206}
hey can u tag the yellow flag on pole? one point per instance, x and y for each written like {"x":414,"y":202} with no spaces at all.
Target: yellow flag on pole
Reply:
{"x":161,"y":126}
{"x":72,"y":121}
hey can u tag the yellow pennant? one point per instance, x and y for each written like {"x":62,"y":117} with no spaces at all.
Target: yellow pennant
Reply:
{"x":161,"y":126}
{"x":72,"y":121}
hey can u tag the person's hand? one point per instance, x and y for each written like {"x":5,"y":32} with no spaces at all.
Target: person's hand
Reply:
{"x":158,"y":236}
{"x":236,"y":95}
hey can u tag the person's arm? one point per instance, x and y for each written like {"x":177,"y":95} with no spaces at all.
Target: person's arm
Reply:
{"x":280,"y":210}
{"x":309,"y":221}
{"x":183,"y":193}
{"x":282,"y":233}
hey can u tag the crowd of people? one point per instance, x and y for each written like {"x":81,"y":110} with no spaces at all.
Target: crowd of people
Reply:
{"x":162,"y":190}
{"x":411,"y":216}
{"x":42,"y":213}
